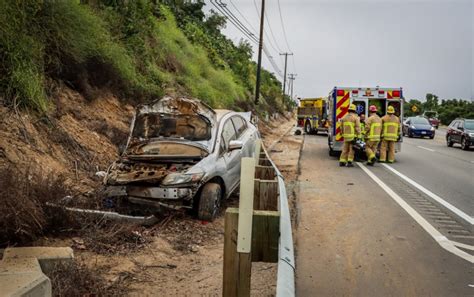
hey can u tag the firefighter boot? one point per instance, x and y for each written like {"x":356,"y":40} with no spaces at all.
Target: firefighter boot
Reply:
{"x":349,"y":164}
{"x":342,"y":164}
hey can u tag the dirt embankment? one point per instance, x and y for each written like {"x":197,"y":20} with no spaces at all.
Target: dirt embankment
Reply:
{"x":180,"y":255}
{"x":75,"y":140}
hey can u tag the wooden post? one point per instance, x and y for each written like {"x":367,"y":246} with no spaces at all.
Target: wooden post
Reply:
{"x":265,"y":172}
{"x":264,"y":162}
{"x":265,"y":195}
{"x":237,"y":266}
{"x":265,"y":236}
{"x":258,"y":149}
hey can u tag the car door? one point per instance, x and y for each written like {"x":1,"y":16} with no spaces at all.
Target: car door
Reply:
{"x":231,"y":158}
{"x":245,"y":135}
{"x":406,"y":124}
{"x":459,"y":131}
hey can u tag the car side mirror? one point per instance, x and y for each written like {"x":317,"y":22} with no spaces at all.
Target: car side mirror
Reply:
{"x":235,"y":145}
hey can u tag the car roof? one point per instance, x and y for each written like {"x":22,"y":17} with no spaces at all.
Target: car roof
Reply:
{"x":220,"y":113}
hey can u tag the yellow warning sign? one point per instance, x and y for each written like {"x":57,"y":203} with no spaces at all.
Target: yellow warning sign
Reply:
{"x":414,"y":108}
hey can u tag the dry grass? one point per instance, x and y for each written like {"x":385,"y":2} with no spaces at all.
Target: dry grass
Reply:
{"x":75,"y":279}
{"x":22,"y":203}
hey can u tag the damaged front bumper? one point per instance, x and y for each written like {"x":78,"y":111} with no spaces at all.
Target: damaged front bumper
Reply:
{"x":174,"y":198}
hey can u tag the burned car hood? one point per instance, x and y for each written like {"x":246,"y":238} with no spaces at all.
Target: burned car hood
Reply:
{"x":165,"y":150}
{"x":174,"y":118}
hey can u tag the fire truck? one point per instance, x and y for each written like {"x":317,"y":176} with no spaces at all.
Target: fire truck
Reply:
{"x":311,"y":115}
{"x":339,"y":100}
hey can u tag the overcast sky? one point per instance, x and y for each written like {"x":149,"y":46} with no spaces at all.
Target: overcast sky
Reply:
{"x":420,"y":45}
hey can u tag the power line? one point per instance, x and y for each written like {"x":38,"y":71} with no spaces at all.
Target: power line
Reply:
{"x":284,"y":34}
{"x":221,"y":7}
{"x":283,"y":26}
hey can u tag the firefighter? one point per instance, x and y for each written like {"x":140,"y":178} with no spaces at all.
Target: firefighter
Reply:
{"x":390,"y":134}
{"x":373,"y":128}
{"x":350,"y":130}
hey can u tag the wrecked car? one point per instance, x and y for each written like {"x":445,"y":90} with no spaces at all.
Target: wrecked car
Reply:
{"x":182,"y":154}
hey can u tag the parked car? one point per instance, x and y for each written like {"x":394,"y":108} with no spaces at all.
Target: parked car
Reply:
{"x":418,"y":126}
{"x":182,"y":154}
{"x":432,"y":117}
{"x":461,"y":131}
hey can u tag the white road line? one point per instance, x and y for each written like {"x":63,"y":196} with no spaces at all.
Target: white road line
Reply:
{"x":463,"y":245}
{"x":432,"y":231}
{"x":425,"y":148}
{"x":435,"y":197}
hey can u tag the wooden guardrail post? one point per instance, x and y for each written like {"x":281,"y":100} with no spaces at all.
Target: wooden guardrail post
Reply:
{"x":265,"y":195}
{"x":238,"y":236}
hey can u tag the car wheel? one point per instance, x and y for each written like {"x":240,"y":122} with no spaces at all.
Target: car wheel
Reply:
{"x":307,"y":127}
{"x":464,"y":144}
{"x":209,"y":201}
{"x":410,"y":135}
{"x":432,"y":136}
{"x":298,"y":132}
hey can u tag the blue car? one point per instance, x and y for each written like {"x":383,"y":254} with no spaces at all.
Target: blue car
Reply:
{"x":418,"y":126}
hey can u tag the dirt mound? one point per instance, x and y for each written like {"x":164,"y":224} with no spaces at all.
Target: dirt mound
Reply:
{"x":75,"y":140}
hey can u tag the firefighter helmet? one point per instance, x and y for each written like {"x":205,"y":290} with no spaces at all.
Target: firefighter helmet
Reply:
{"x":352,"y":107}
{"x":390,"y":110}
{"x":373,"y":108}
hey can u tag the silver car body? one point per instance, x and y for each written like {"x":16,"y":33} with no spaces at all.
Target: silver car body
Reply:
{"x":146,"y":176}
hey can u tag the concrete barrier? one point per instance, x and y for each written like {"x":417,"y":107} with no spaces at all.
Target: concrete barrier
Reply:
{"x":22,"y":270}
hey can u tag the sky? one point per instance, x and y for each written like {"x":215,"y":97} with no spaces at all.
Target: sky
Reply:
{"x":423,"y":46}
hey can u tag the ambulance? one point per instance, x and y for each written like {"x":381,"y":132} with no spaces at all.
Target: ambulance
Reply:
{"x":339,"y":100}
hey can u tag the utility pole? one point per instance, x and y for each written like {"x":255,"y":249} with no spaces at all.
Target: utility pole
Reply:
{"x":260,"y":46}
{"x":292,"y":77}
{"x":284,"y":74}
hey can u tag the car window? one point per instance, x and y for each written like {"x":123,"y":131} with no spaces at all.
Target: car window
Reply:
{"x":420,"y":121}
{"x":469,"y":125}
{"x":228,"y":133}
{"x":239,"y":125}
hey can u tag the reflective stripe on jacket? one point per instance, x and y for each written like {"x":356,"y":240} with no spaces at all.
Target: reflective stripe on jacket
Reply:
{"x":350,"y":126}
{"x":391,"y":127}
{"x":373,"y":128}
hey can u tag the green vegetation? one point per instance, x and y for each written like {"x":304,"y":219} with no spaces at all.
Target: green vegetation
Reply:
{"x":447,"y":110}
{"x":136,"y":49}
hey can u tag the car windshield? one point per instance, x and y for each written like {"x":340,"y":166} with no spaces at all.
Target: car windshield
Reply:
{"x":420,"y":121}
{"x":469,"y":125}
{"x":183,"y":126}
{"x":431,"y":114}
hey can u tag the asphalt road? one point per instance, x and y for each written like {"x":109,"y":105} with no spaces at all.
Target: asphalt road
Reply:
{"x":446,"y":171}
{"x":358,"y":238}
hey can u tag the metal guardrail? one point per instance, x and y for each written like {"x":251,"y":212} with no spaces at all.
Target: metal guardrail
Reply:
{"x":286,"y":255}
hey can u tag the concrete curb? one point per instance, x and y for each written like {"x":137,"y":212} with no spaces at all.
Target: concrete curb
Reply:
{"x":21,"y":270}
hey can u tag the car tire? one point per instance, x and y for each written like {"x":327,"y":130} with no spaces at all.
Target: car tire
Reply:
{"x":464,"y":144}
{"x":307,"y":127}
{"x":431,"y":137}
{"x":298,"y":132}
{"x":410,"y":135}
{"x":449,"y":142}
{"x":209,"y":201}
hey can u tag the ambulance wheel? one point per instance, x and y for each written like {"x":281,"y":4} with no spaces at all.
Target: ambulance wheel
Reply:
{"x":332,"y":152}
{"x":307,"y":127}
